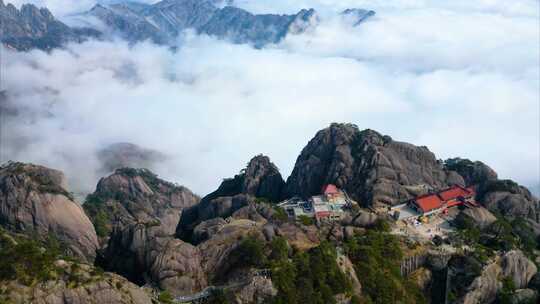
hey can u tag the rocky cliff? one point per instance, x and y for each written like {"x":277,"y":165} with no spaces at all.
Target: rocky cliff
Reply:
{"x":259,"y":180}
{"x":473,"y":172}
{"x":372,"y":168}
{"x":509,"y":199}
{"x":131,"y":196}
{"x":473,"y":285}
{"x":35,"y":200}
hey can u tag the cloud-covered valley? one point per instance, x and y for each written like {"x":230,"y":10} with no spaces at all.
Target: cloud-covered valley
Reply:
{"x":462,"y":78}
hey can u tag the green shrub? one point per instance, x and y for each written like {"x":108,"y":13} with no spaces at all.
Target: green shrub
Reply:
{"x":27,"y":261}
{"x":305,"y":220}
{"x":280,"y":214}
{"x":311,"y":277}
{"x":377,"y":258}
{"x":250,"y":252}
{"x":165,"y":297}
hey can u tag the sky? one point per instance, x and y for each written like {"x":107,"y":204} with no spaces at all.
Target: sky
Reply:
{"x":460,"y":77}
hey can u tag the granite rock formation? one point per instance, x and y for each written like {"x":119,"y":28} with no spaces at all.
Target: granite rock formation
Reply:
{"x":35,"y":200}
{"x":131,"y":196}
{"x":372,"y":168}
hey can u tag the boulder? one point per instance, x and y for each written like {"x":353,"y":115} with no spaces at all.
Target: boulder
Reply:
{"x":209,"y":209}
{"x":473,"y":173}
{"x":484,"y":288}
{"x":131,"y":196}
{"x":35,"y":200}
{"x":261,"y":178}
{"x":372,"y":168}
{"x":517,"y":266}
{"x":176,"y":266}
{"x":524,"y":296}
{"x":481,"y":216}
{"x":80,"y":285}
{"x":473,"y":285}
{"x":206,"y":229}
{"x":143,"y":256}
{"x":509,"y":199}
{"x":260,"y":290}
{"x":216,"y":250}
{"x":299,"y":237}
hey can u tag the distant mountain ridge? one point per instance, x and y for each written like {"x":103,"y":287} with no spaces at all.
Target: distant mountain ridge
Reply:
{"x":162,"y":22}
{"x":31,"y":27}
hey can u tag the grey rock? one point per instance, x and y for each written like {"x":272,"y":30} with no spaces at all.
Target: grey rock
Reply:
{"x":35,"y":200}
{"x":261,"y":178}
{"x":208,"y":209}
{"x":357,"y":15}
{"x":206,"y":229}
{"x":509,"y":199}
{"x":481,"y":216}
{"x":131,"y":196}
{"x":517,"y":266}
{"x":260,"y":290}
{"x":473,"y":173}
{"x":107,"y":288}
{"x":473,"y":285}
{"x":524,"y":296}
{"x":371,"y":167}
{"x":32,"y":27}
{"x":163,"y":21}
{"x":141,"y":255}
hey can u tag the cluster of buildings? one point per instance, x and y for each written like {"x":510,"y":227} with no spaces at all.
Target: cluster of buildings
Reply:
{"x":331,"y":204}
{"x":440,"y":202}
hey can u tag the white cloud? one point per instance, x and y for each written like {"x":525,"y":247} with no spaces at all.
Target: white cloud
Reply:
{"x":461,"y":78}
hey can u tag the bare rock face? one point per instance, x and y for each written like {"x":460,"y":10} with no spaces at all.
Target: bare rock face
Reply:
{"x":524,"y":296}
{"x":206,"y":229}
{"x":299,"y":237}
{"x":106,"y":288}
{"x":137,"y":196}
{"x":176,"y":266}
{"x":481,"y":286}
{"x":215,"y":252}
{"x":141,"y":255}
{"x":473,"y":173}
{"x":362,"y":219}
{"x":209,"y":209}
{"x":484,"y":288}
{"x":347,"y":267}
{"x":509,"y":199}
{"x":481,"y":216}
{"x":372,"y":168}
{"x":261,"y":178}
{"x":34,"y":199}
{"x":517,"y":266}
{"x":258,"y":291}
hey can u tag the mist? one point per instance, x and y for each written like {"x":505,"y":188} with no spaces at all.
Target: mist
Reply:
{"x":461,"y":77}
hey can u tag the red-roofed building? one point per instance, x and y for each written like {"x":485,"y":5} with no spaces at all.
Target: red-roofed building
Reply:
{"x":451,"y":197}
{"x":330,"y":189}
{"x":427,"y":203}
{"x":454,"y":193}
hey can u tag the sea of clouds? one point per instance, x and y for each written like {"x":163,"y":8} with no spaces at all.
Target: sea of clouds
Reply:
{"x":461,"y":77}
